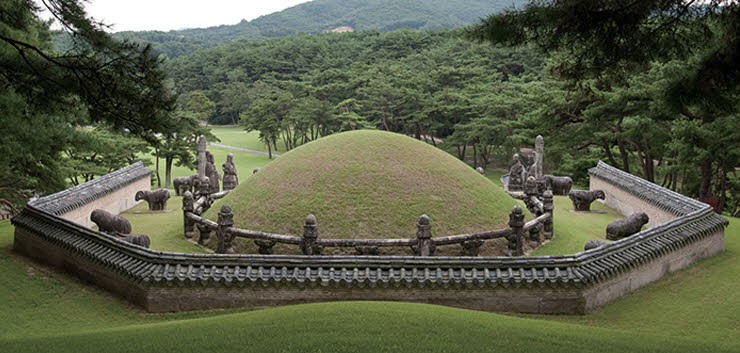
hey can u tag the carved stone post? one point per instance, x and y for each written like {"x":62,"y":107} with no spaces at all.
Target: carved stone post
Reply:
{"x":202,"y":156}
{"x":187,"y":207}
{"x":265,"y":246}
{"x":530,"y":190}
{"x":549,"y":208}
{"x":205,"y":234}
{"x":424,"y":246}
{"x":310,"y":235}
{"x":516,"y":222}
{"x":539,"y":148}
{"x":471,"y":247}
{"x":225,"y":221}
{"x":534,"y":236}
{"x":203,"y":189}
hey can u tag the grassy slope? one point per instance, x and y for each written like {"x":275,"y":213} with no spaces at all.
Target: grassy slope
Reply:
{"x":368,"y":184}
{"x":238,"y":137}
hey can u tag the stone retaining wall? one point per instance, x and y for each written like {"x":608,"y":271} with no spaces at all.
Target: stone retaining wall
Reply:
{"x":578,"y":283}
{"x":112,"y":192}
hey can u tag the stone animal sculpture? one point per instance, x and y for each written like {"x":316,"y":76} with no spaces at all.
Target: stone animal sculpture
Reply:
{"x":594,"y":243}
{"x":624,"y":227}
{"x":480,"y":170}
{"x":110,"y":223}
{"x":582,"y":199}
{"x":157,"y":199}
{"x":183,"y":184}
{"x":560,"y":185}
{"x":138,"y":239}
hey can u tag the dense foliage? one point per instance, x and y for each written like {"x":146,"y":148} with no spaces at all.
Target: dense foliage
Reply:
{"x":50,"y":98}
{"x":656,"y":80}
{"x":297,"y":88}
{"x":323,"y":15}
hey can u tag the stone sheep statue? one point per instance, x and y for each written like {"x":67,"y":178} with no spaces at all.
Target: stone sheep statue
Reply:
{"x":157,"y":199}
{"x":624,"y":227}
{"x":560,"y":185}
{"x":582,"y":199}
{"x":593,"y":244}
{"x":138,"y":239}
{"x":183,"y":184}
{"x":110,"y":223}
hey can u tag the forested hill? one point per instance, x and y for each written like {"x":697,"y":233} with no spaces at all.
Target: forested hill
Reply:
{"x":324,"y":15}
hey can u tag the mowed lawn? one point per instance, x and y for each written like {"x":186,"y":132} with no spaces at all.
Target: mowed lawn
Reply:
{"x":238,"y":137}
{"x":694,"y":310}
{"x":245,"y":164}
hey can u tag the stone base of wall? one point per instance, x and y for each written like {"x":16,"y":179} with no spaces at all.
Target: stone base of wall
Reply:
{"x":26,"y":243}
{"x":501,"y":299}
{"x":614,"y":288}
{"x":541,"y":301}
{"x":115,"y":203}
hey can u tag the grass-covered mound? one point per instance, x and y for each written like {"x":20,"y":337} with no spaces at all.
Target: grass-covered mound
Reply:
{"x":367,"y":184}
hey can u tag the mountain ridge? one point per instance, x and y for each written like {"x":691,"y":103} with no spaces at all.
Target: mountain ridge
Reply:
{"x":322,"y":15}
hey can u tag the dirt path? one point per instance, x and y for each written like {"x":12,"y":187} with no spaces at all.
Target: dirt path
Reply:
{"x":243,"y":149}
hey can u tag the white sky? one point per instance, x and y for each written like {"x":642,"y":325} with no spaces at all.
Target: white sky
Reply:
{"x":164,"y":15}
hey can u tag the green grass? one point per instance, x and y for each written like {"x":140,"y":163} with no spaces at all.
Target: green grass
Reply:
{"x":573,"y":229}
{"x":236,"y":136}
{"x":368,"y":184}
{"x":165,"y":230}
{"x":245,"y":164}
{"x":694,"y":310}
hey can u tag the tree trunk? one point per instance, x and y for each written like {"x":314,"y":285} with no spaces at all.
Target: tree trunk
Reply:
{"x":705,"y":188}
{"x":608,"y":151}
{"x":159,"y":183}
{"x":168,"y":172}
{"x":167,"y":164}
{"x":722,"y":191}
{"x":649,"y":162}
{"x":475,"y":157}
{"x":625,"y":156}
{"x":269,"y":150}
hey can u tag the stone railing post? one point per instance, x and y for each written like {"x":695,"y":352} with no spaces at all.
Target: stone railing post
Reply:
{"x":310,"y":235}
{"x":265,"y":246}
{"x":534,"y":236}
{"x":225,"y":221}
{"x":471,"y":247}
{"x":531,"y":190}
{"x":203,"y":188}
{"x":516,"y":222}
{"x":187,"y":207}
{"x":424,"y":245}
{"x":205,"y":234}
{"x":202,"y":156}
{"x":549,"y":207}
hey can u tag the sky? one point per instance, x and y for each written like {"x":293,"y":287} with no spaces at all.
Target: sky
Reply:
{"x":164,"y":15}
